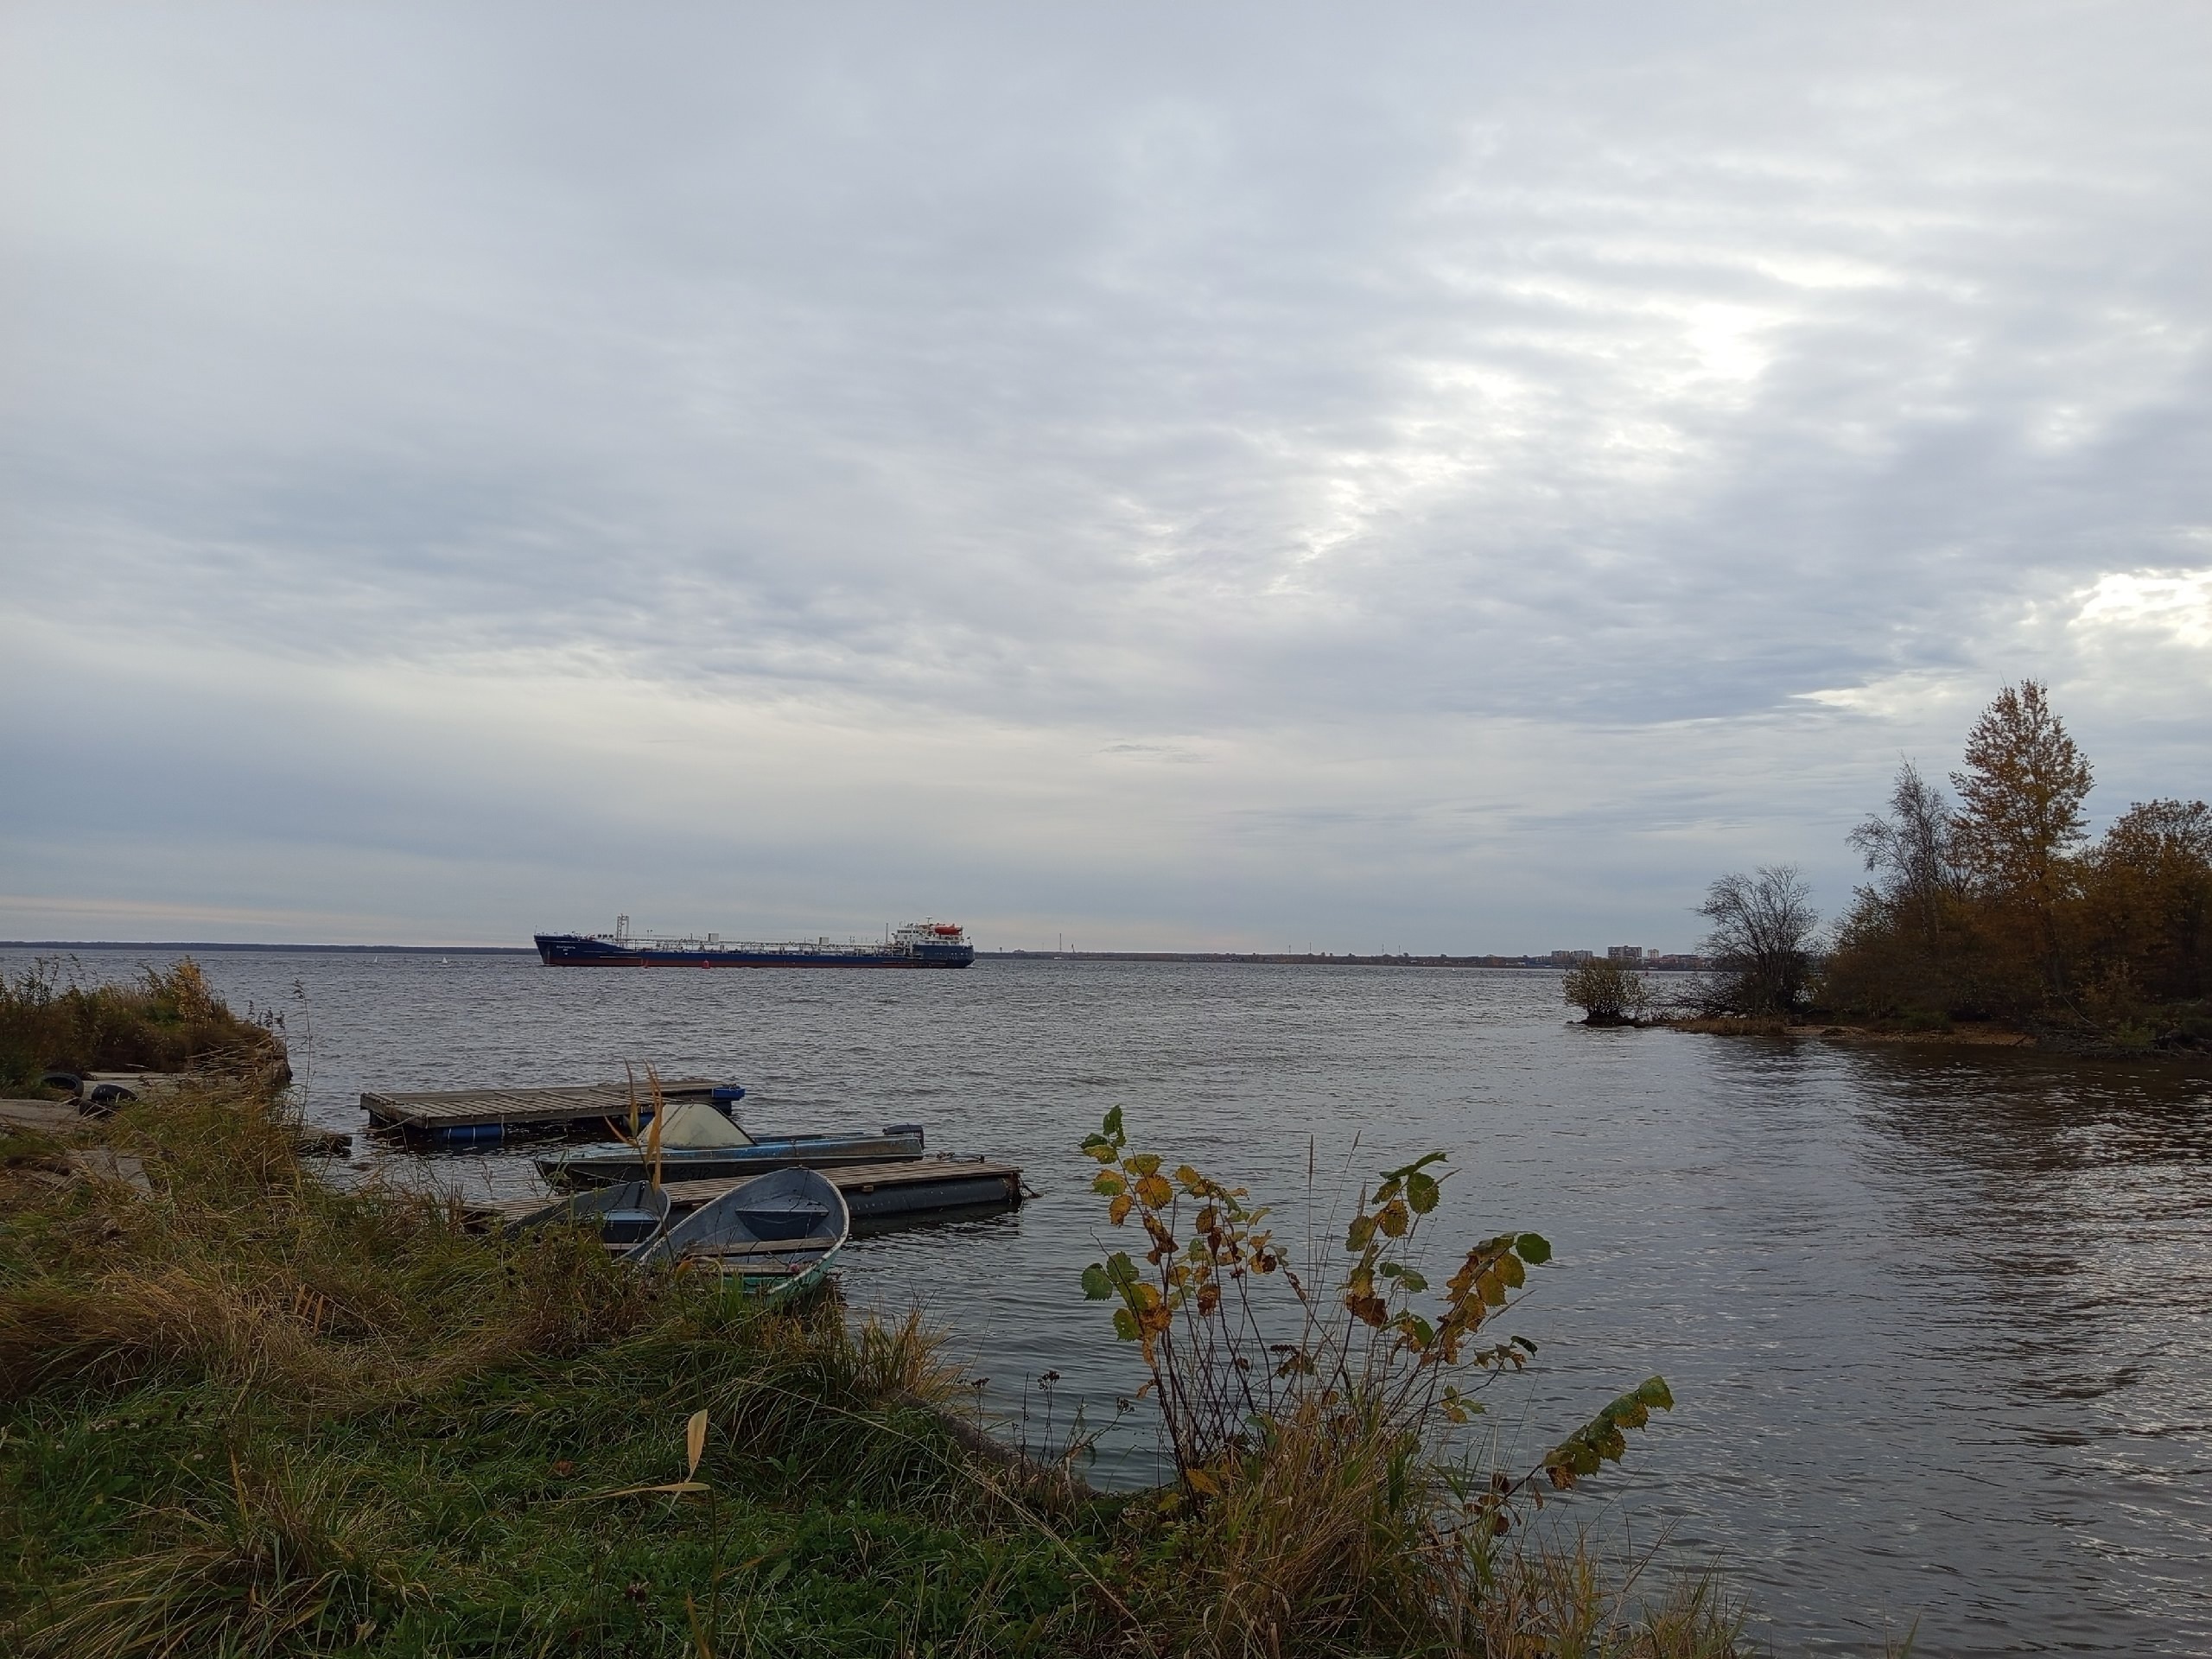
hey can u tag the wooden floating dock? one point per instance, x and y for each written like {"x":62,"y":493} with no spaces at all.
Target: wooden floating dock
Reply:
{"x":561,"y":1107}
{"x":908,"y":1187}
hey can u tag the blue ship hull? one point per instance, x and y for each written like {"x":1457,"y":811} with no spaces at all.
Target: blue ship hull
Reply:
{"x":582,"y":950}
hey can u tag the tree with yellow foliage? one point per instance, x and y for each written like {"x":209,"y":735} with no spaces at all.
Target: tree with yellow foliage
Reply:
{"x":2020,"y":817}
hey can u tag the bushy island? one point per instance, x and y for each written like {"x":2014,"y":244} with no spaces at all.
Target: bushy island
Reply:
{"x":1995,"y":914}
{"x":245,"y":1412}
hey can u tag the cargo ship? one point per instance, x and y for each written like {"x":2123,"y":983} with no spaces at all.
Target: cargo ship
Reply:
{"x":917,"y":944}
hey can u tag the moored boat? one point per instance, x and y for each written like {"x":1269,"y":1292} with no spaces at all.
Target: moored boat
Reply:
{"x":629,"y":1213}
{"x":774,"y":1236}
{"x":699,"y":1145}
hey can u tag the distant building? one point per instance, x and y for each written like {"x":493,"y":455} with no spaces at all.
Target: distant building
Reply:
{"x":1624,"y":953}
{"x":1568,"y":958}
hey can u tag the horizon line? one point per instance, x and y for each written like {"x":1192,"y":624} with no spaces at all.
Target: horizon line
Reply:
{"x":1473,"y":958}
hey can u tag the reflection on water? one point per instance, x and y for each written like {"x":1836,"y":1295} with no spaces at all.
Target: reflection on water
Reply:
{"x":1935,"y":1317}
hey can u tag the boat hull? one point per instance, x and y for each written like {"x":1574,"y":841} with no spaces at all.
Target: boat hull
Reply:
{"x":627,"y":1213}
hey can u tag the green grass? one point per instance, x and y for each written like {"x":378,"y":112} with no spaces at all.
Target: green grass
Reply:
{"x":474,"y":1526}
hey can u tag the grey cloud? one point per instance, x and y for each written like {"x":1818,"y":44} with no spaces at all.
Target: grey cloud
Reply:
{"x":1166,"y":375}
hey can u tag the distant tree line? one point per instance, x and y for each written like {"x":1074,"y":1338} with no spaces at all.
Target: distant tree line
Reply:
{"x":1997,"y":907}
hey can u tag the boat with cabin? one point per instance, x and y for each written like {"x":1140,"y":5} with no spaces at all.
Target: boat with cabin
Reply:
{"x":697,"y":1144}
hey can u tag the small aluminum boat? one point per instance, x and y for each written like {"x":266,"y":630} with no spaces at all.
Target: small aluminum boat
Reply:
{"x":774,"y":1236}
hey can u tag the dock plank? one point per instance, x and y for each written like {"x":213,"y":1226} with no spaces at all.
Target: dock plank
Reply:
{"x":461,"y":1109}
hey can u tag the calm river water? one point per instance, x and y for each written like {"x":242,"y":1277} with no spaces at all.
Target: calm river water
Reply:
{"x":1936,"y":1320}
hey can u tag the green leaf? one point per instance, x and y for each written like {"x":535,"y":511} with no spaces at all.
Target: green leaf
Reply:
{"x":1361,"y":1231}
{"x":1410,"y":1281}
{"x":1096,"y":1286}
{"x":1523,"y":1342}
{"x":1533,"y":1248}
{"x":1405,"y":1171}
{"x":1653,"y":1391}
{"x":1106,"y":1183}
{"x":1113,"y":1123}
{"x":1121,"y":1271}
{"x":1125,"y":1324}
{"x":1421,"y":1192}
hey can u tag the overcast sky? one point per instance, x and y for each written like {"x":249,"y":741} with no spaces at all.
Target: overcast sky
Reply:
{"x":1393,"y":477}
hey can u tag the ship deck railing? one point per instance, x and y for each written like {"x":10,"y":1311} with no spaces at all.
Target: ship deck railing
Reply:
{"x":751,"y":947}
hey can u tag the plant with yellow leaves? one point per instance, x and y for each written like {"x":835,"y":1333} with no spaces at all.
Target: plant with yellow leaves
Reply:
{"x":1378,"y":1341}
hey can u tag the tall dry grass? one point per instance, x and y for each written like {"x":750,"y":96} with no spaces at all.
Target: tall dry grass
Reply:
{"x":242,"y":1267}
{"x":1338,"y":1533}
{"x":292,"y":1558}
{"x":164,"y":1019}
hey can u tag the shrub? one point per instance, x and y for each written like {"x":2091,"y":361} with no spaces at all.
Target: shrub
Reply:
{"x":1607,"y":992}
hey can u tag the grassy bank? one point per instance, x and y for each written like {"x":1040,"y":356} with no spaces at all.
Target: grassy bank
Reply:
{"x":252,"y":1414}
{"x":246,"y":1413}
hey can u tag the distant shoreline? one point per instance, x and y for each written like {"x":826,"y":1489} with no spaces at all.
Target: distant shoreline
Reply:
{"x":223,"y":944}
{"x":1303,"y":958}
{"x":1316,"y":959}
